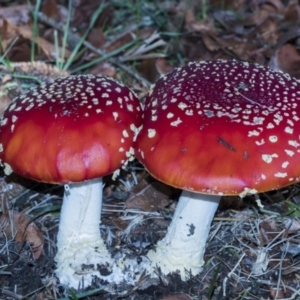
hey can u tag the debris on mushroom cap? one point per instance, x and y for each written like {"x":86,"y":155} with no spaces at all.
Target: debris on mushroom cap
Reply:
{"x":69,"y":129}
{"x":222,"y":127}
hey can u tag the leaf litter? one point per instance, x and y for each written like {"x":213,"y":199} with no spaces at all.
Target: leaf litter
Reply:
{"x":253,"y":251}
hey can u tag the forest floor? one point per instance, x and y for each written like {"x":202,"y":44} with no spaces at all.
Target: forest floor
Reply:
{"x":136,"y":42}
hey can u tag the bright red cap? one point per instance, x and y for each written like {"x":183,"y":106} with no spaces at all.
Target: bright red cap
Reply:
{"x":222,"y":127}
{"x":70,"y":129}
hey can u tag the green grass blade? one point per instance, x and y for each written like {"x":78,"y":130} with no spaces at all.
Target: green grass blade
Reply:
{"x":83,"y":38}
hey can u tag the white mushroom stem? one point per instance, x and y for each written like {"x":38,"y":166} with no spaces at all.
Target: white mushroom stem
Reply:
{"x":80,"y":247}
{"x":183,"y":247}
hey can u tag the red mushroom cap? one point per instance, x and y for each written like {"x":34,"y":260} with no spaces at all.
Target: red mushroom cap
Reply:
{"x":69,"y":130}
{"x":222,"y":127}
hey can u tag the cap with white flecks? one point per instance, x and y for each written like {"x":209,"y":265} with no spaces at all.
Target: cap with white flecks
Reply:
{"x":69,"y":129}
{"x":222,"y":127}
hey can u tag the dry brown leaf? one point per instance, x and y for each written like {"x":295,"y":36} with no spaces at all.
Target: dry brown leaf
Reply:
{"x":278,"y":294}
{"x":177,"y":297}
{"x":277,"y":6}
{"x":17,"y":15}
{"x":84,"y":9}
{"x":19,"y":226}
{"x":191,"y":23}
{"x":105,"y":69}
{"x":149,"y":196}
{"x":287,"y":59}
{"x":49,"y":49}
{"x":50,"y":9}
{"x":231,"y":4}
{"x":96,"y":37}
{"x":147,"y":68}
{"x":292,"y":13}
{"x":162,"y":66}
{"x":292,"y":225}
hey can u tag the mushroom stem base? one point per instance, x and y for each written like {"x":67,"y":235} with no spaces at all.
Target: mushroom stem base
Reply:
{"x":183,"y":247}
{"x":80,"y":248}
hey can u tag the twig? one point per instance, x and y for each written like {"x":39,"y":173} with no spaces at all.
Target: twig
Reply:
{"x":231,"y":273}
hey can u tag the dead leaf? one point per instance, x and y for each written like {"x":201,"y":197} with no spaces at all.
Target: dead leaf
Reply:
{"x":147,"y":68}
{"x":292,"y":13}
{"x":149,"y":196}
{"x":277,"y":294}
{"x":50,"y":9}
{"x":96,"y":37}
{"x":287,"y":59}
{"x":104,"y":69}
{"x":163,"y":66}
{"x":19,"y":226}
{"x":180,"y":296}
{"x":16,"y":14}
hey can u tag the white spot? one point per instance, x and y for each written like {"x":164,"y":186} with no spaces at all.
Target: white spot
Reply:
{"x":109,"y":102}
{"x":258,"y":120}
{"x":130,"y":153}
{"x":176,"y":123}
{"x":182,"y":105}
{"x":294,"y":144}
{"x":289,"y":152}
{"x":280,"y":175}
{"x":12,"y":107}
{"x":263,"y":176}
{"x":130,"y":107}
{"x":30,"y":106}
{"x":7,"y":169}
{"x":3,"y":122}
{"x":151,"y":133}
{"x":105,"y":95}
{"x":170,"y":115}
{"x":247,"y":191}
{"x":253,"y":133}
{"x":116,"y":173}
{"x":134,"y":128}
{"x":95,"y":101}
{"x":270,"y":126}
{"x":285,"y":164}
{"x":289,"y":130}
{"x":115,"y":114}
{"x":125,"y":133}
{"x":259,"y":143}
{"x":273,"y":139}
{"x":268,"y":157}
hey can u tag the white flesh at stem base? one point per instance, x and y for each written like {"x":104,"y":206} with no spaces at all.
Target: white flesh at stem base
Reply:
{"x":183,"y":247}
{"x":80,"y":247}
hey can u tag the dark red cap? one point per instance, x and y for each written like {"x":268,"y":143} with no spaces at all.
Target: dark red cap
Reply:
{"x":222,"y":127}
{"x":70,"y":129}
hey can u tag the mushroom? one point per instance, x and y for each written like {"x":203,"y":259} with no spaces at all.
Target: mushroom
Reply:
{"x":73,"y":131}
{"x":216,"y":128}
